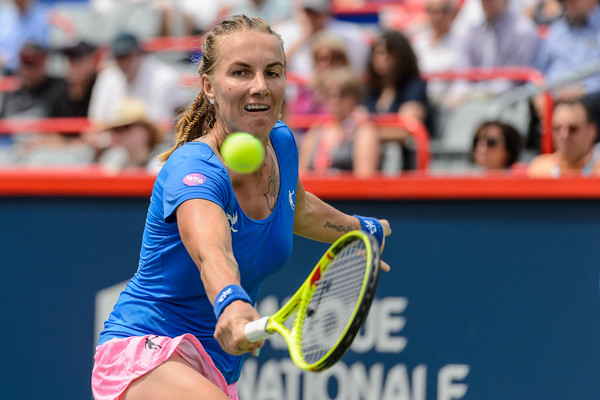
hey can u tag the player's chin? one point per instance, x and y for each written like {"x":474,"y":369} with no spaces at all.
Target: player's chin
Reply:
{"x":260,"y":123}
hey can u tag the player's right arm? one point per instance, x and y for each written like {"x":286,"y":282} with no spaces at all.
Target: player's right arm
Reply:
{"x":206,"y":235}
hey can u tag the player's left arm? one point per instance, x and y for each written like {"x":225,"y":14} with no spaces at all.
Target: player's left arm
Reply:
{"x":317,"y":220}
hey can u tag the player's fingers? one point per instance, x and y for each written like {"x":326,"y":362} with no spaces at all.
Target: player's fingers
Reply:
{"x":387,"y":231}
{"x":384,"y":266}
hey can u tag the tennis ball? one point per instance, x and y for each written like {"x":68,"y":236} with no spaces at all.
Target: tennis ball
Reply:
{"x":242,"y":152}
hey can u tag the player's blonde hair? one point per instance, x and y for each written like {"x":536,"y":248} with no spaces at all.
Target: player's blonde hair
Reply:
{"x":199,"y":118}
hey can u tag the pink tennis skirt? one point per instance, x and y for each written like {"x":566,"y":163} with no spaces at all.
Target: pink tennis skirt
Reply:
{"x":120,"y":361}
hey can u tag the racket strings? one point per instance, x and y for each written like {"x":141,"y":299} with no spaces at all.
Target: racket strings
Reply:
{"x":332,"y":305}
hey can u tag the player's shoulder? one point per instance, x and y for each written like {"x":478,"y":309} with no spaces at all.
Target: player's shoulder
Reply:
{"x":193,"y":150}
{"x":281,"y":131}
{"x":195,"y":155}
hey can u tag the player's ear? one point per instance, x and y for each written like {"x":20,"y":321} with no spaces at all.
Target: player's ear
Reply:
{"x":207,"y":86}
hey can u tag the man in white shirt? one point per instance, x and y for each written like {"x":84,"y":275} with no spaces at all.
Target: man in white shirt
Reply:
{"x":437,"y":47}
{"x":140,"y":76}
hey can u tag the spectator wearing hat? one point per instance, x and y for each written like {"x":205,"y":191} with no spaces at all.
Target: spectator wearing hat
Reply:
{"x":21,"y":21}
{"x":74,"y":98}
{"x":129,"y":139}
{"x":70,"y":99}
{"x":137,"y":75}
{"x":32,"y":99}
{"x":36,"y":90}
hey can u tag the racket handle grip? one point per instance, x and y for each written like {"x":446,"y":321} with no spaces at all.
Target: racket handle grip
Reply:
{"x":257,"y":330}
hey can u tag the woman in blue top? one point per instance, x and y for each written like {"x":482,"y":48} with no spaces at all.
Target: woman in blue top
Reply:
{"x":213,"y":235}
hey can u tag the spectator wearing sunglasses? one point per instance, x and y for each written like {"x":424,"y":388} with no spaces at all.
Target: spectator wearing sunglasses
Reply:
{"x":496,"y":146}
{"x":574,"y":132}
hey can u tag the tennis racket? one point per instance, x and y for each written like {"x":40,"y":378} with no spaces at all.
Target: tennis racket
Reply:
{"x":330,"y":307}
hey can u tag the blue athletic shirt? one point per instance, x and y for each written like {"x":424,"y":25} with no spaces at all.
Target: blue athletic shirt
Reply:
{"x":166,"y":296}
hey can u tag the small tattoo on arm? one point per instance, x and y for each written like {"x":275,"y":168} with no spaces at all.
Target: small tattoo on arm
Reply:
{"x":339,"y":228}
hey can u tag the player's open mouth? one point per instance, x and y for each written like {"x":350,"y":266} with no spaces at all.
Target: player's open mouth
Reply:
{"x":256,"y":107}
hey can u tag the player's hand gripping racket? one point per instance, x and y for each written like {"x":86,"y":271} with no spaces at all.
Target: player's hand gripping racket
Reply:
{"x":330,"y":306}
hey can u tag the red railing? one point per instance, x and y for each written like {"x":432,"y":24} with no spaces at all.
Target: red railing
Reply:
{"x":413,"y":126}
{"x":46,"y":125}
{"x":95,"y":182}
{"x":71,"y":125}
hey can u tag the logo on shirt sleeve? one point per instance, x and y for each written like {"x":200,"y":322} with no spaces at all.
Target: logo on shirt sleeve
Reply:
{"x":194,"y":179}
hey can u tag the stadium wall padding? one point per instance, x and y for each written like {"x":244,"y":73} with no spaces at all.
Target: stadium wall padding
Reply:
{"x":487,"y":299}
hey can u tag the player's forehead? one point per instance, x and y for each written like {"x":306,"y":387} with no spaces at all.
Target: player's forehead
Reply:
{"x":249,"y":48}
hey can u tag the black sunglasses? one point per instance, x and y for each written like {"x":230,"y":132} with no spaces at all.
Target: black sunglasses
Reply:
{"x":489,"y":142}
{"x":571,"y":129}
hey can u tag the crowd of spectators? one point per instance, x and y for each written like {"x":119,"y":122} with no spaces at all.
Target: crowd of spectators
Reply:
{"x":341,"y":72}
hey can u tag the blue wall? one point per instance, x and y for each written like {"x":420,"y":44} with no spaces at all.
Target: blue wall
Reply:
{"x":486,"y":300}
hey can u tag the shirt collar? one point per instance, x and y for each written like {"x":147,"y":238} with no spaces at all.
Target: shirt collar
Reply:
{"x":499,"y":20}
{"x":591,"y":20}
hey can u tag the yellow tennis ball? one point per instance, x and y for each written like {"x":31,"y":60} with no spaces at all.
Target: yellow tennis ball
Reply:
{"x":242,"y":152}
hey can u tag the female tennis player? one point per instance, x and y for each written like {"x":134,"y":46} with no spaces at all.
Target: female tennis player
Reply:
{"x":212,"y":235}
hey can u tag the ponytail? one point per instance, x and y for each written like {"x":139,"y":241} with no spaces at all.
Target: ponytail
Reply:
{"x":197,"y":120}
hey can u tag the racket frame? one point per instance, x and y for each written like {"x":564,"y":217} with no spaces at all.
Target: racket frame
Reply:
{"x":266,"y":326}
